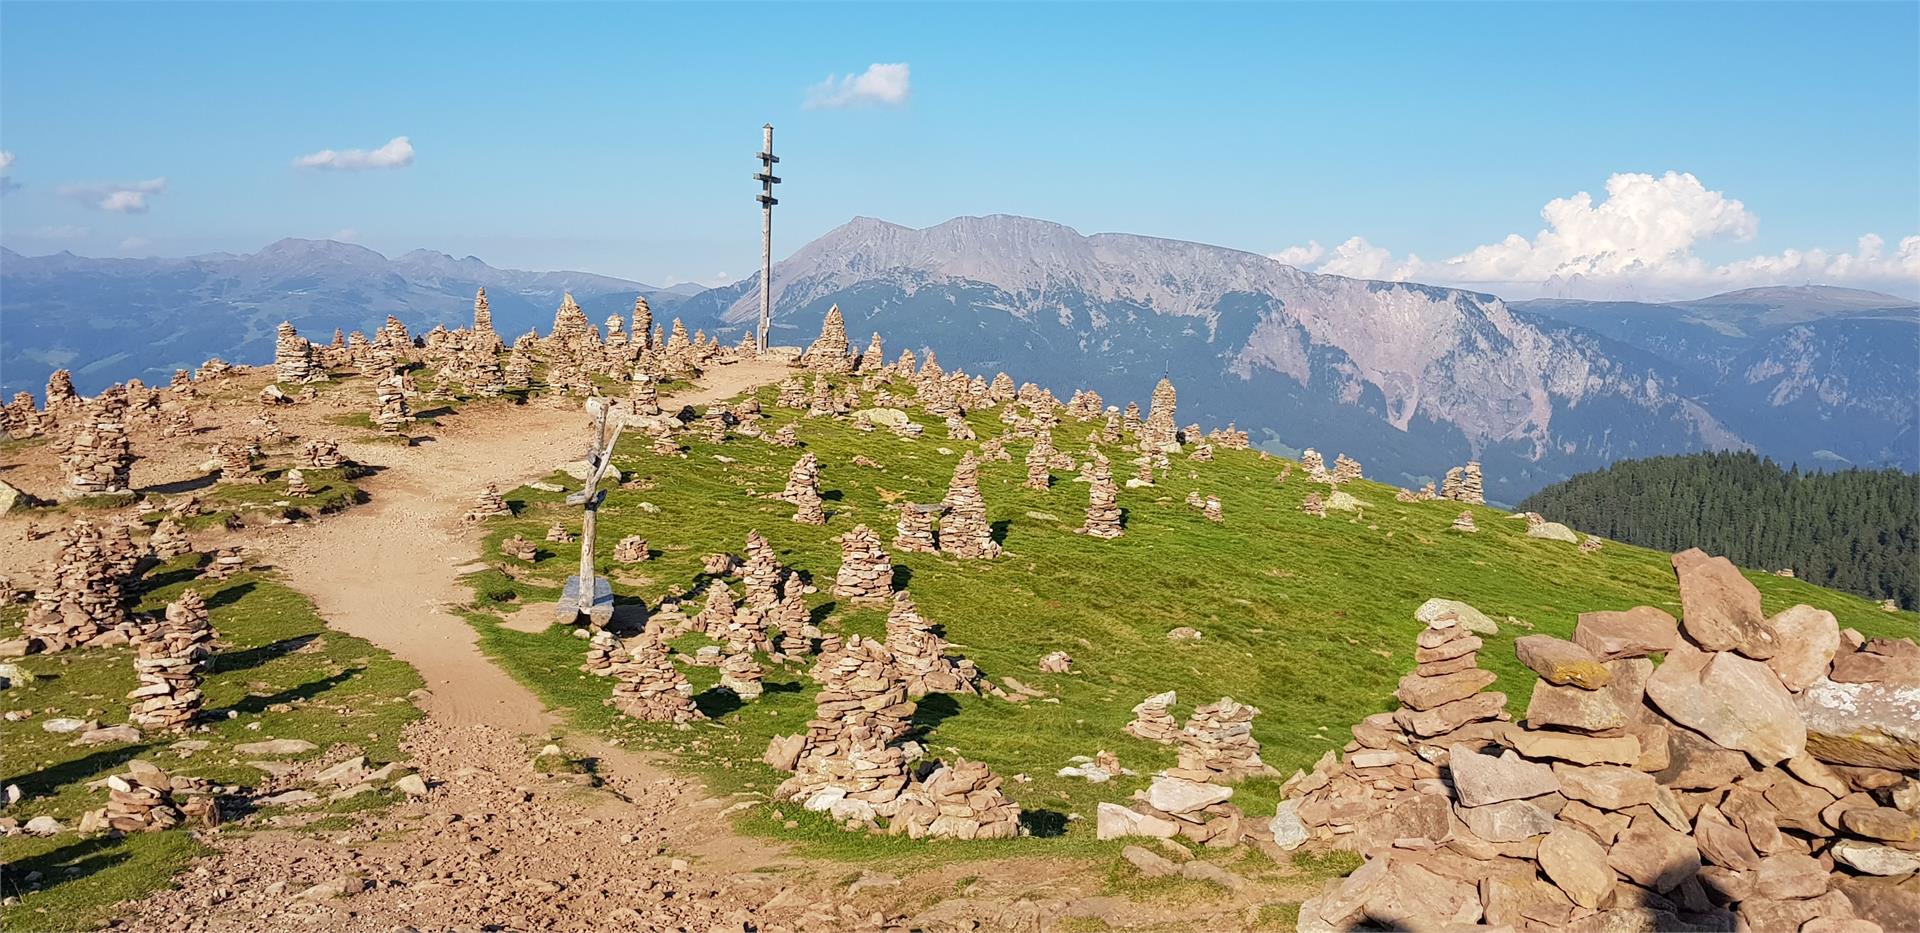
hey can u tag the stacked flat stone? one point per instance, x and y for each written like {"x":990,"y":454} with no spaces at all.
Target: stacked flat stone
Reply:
{"x":740,"y":673}
{"x":145,"y":799}
{"x":488,"y":504}
{"x":642,"y":323}
{"x":1345,"y":469}
{"x":558,"y":534}
{"x":60,"y":391}
{"x":604,"y":654}
{"x":519,"y":548}
{"x":226,"y":562}
{"x":517,"y":371}
{"x":793,"y":393}
{"x":293,"y":361}
{"x":391,"y":415}
{"x":168,"y":664}
{"x":1312,"y":505}
{"x":850,"y":765}
{"x":1231,"y":438}
{"x":790,"y":618}
{"x":1159,"y":433}
{"x":920,"y":653}
{"x":962,"y":800}
{"x":1103,"y":501}
{"x":1315,"y":465}
{"x":1040,"y":461}
{"x":648,"y":686}
{"x":1471,"y":490}
{"x":716,"y":614}
{"x":643,"y":396}
{"x":866,"y":570}
{"x":82,"y":596}
{"x":803,"y":490}
{"x":1172,"y":807}
{"x":297,"y":484}
{"x":1218,"y":746}
{"x":914,"y":531}
{"x":1464,"y":522}
{"x":571,"y":329}
{"x":1591,"y":544}
{"x":631,"y":549}
{"x":828,"y":352}
{"x":22,"y":418}
{"x":959,"y":429}
{"x":168,"y":540}
{"x":964,"y":531}
{"x":178,"y":423}
{"x":1153,"y":721}
{"x":323,"y":454}
{"x":1202,"y":453}
{"x":762,"y":573}
{"x":98,"y":456}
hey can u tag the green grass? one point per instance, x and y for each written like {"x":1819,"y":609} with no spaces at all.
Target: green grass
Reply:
{"x":331,"y":490}
{"x":1309,"y":619}
{"x":278,"y":668}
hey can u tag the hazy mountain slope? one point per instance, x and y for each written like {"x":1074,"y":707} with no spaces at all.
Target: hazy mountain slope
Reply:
{"x":1410,"y":378}
{"x":114,"y":319}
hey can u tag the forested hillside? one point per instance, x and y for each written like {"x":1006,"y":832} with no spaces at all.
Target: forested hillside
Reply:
{"x":1854,"y":530}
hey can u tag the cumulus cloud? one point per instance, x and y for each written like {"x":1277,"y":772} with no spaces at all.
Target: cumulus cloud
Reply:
{"x":117,"y":197}
{"x":882,"y":85}
{"x":397,"y":153}
{"x":6,"y":182}
{"x":1637,"y":242}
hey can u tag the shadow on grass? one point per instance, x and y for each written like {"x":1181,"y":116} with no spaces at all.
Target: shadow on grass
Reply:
{"x":229,"y":595}
{"x":67,"y":864}
{"x":999,"y":530}
{"x":169,"y":578}
{"x":1044,"y":823}
{"x":185,"y":485}
{"x":254,"y":705}
{"x":254,"y":657}
{"x":932,"y":710}
{"x":86,"y":767}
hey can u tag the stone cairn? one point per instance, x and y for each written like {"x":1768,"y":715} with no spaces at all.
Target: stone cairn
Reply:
{"x":920,"y":653}
{"x":226,"y":562}
{"x":1313,"y":505}
{"x":914,"y":531}
{"x":323,"y":454}
{"x":786,"y":436}
{"x":82,"y":597}
{"x":236,"y":463}
{"x":1315,"y":465}
{"x":1217,"y":744}
{"x":557,"y":533}
{"x":1591,"y":544}
{"x":1056,"y":662}
{"x":390,"y":414}
{"x":848,"y":763}
{"x":762,"y":574}
{"x":647,"y":685}
{"x":741,"y":674}
{"x":631,"y":549}
{"x":964,"y":531}
{"x":1202,"y":453}
{"x":866,"y":570}
{"x":293,"y":361}
{"x":1752,"y":780}
{"x":962,"y":800}
{"x":1103,"y":501}
{"x":98,"y":456}
{"x":519,"y":548}
{"x":168,"y":540}
{"x":1462,"y":484}
{"x":168,"y":665}
{"x":1040,"y":461}
{"x":1212,"y":509}
{"x":487,"y":504}
{"x":1464,"y":522}
{"x":146,"y":799}
{"x":803,"y":490}
{"x":1345,"y":469}
{"x":1159,"y":433}
{"x":828,"y":352}
{"x":297,"y":484}
{"x":1153,"y":721}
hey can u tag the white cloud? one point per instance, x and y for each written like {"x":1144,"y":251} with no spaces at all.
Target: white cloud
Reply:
{"x":884,"y":85}
{"x":6,"y":160}
{"x":118,"y":197}
{"x":1638,"y":242}
{"x":7,"y":184}
{"x":397,"y":153}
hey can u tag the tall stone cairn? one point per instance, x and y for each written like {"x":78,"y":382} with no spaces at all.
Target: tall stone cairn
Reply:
{"x":1040,"y":461}
{"x":914,"y":531}
{"x":644,"y":395}
{"x":390,"y":413}
{"x":849,"y":764}
{"x":168,"y":664}
{"x":1315,"y":465}
{"x":81,"y":596}
{"x":642,"y":323}
{"x":648,"y":686}
{"x":616,"y":331}
{"x":1217,"y":744}
{"x":716,"y":614}
{"x":483,"y":331}
{"x":1103,"y":502}
{"x":236,"y":462}
{"x":1471,"y":491}
{"x":828,"y":352}
{"x":964,"y":531}
{"x":803,"y":490}
{"x":875,"y":357}
{"x":1153,"y":721}
{"x":866,"y":571}
{"x":762,"y":573}
{"x":1160,"y":431}
{"x":98,"y":456}
{"x":293,"y":361}
{"x":1345,"y":469}
{"x":60,"y":391}
{"x":921,"y":656}
{"x":517,"y":372}
{"x":571,"y":329}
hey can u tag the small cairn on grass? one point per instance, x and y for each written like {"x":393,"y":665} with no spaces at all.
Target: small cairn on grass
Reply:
{"x":1212,"y":509}
{"x":787,"y":435}
{"x":1315,"y":465}
{"x":648,"y":686}
{"x":803,"y":491}
{"x":1462,"y":484}
{"x":487,"y":504}
{"x":227,"y":562}
{"x":145,"y":799}
{"x":323,"y":454}
{"x":964,"y":531}
{"x":866,"y":571}
{"x":914,"y":531}
{"x":236,"y":463}
{"x":1153,"y":721}
{"x":297,"y":484}
{"x":740,"y":673}
{"x":1217,"y":744}
{"x":716,"y":614}
{"x":1039,"y":461}
{"x":168,"y":664}
{"x":1345,"y":469}
{"x":168,"y":540}
{"x":1313,"y":505}
{"x":557,"y":533}
{"x":1202,"y":453}
{"x":1591,"y":544}
{"x":519,"y":548}
{"x":1103,"y":502}
{"x":631,"y":549}
{"x":1464,"y":522}
{"x":920,"y":654}
{"x":603,"y":654}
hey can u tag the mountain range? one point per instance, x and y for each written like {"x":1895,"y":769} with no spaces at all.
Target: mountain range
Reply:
{"x":1409,"y":378}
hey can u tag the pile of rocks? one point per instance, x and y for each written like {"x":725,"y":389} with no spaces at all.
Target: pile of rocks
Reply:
{"x":1464,"y":522}
{"x":961,"y":800}
{"x":97,"y":456}
{"x":488,"y":504}
{"x":803,"y":490}
{"x":828,"y":352}
{"x":1211,"y":510}
{"x":631,"y":549}
{"x":920,"y":654}
{"x":293,"y":360}
{"x":1153,"y":721}
{"x":323,"y":454}
{"x":1056,"y":662}
{"x":1103,"y":502}
{"x":390,"y":414}
{"x":1172,"y":807}
{"x":558,"y":534}
{"x":226,"y":562}
{"x":740,"y":673}
{"x":168,"y":540}
{"x":1315,"y":465}
{"x":648,"y":686}
{"x":1345,"y":469}
{"x":866,"y":571}
{"x":913,"y":532}
{"x":1462,"y":484}
{"x":82,"y":595}
{"x":848,"y":762}
{"x":236,"y":463}
{"x":145,"y":799}
{"x":1313,"y":505}
{"x":1759,"y":778}
{"x":1218,"y":745}
{"x":964,"y":531}
{"x":297,"y":484}
{"x":519,"y":548}
{"x":787,"y":435}
{"x":168,"y":664}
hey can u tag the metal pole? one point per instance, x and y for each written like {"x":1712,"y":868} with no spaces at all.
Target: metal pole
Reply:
{"x":767,"y":180}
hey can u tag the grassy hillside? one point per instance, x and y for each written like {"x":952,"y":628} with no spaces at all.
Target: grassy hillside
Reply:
{"x":1309,"y":619}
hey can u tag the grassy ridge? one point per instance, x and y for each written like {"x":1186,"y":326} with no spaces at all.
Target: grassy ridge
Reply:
{"x":1309,"y":619}
{"x":278,"y":671}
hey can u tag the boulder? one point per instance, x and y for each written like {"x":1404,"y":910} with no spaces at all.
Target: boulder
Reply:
{"x":1573,"y":708}
{"x":1809,"y":638}
{"x":1577,"y":864}
{"x":1286,"y":828}
{"x":275,"y":747}
{"x":1561,"y":662}
{"x":1736,"y":702}
{"x":1553,"y":531}
{"x":1461,"y":614}
{"x":1150,"y":864}
{"x":1720,"y":609}
{"x":1179,"y":795}
{"x":1862,"y":724}
{"x":1635,"y":633}
{"x":1694,"y":763}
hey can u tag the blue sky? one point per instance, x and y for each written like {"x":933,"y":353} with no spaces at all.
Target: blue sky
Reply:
{"x":617,"y":138}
